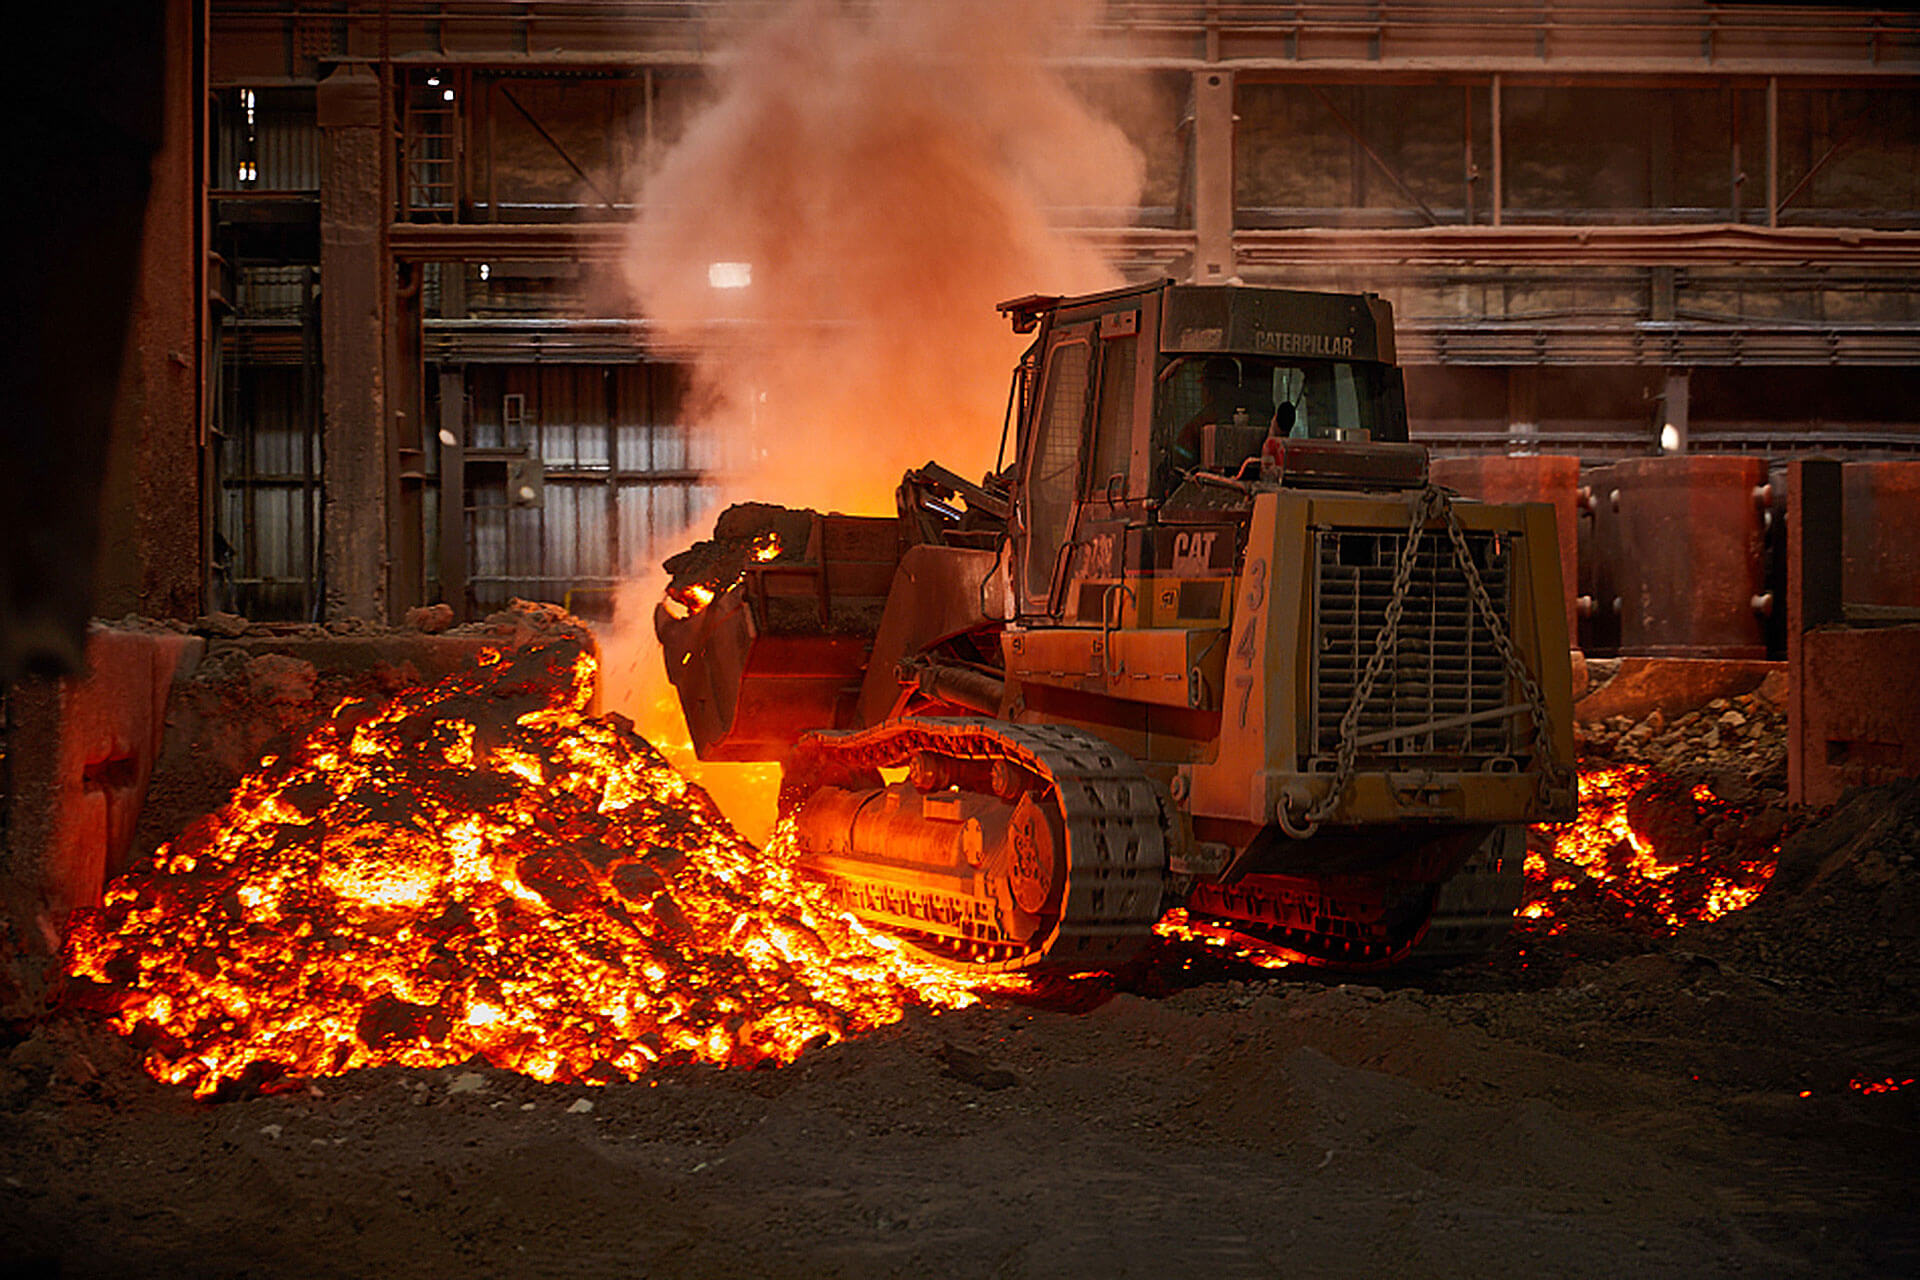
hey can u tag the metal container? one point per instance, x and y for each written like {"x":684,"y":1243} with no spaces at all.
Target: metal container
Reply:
{"x":1683,"y":537}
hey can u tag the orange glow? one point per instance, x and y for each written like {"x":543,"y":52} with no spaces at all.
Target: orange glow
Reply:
{"x":1178,"y":926}
{"x":766,"y":547}
{"x":633,"y":682}
{"x":1886,"y":1084}
{"x":892,"y":171}
{"x":694,"y":598}
{"x":479,"y":868}
{"x":1603,"y":852}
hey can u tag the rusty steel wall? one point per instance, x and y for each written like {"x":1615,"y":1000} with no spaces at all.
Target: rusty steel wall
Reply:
{"x":1882,"y":533}
{"x":1852,"y":718}
{"x":1681,"y":541}
{"x":83,"y":749}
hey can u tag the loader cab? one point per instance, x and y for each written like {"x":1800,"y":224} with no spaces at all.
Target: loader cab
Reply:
{"x":1124,"y":395}
{"x":1079,"y":433}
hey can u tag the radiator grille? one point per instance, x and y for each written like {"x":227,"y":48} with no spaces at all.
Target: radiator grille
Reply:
{"x":1443,"y":664}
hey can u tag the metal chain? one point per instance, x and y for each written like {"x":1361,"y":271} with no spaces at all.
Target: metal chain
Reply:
{"x":1376,"y":662}
{"x":1552,"y":771}
{"x":1432,"y":501}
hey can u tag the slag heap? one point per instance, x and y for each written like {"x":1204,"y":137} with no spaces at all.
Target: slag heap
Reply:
{"x":1648,"y":849}
{"x":478,"y":868}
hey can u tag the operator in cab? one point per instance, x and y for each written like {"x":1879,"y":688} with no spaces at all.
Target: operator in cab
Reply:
{"x":1234,"y":418}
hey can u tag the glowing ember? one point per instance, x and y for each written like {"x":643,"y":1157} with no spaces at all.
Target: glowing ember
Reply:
{"x":685,"y":601}
{"x":1648,"y":843}
{"x":479,"y":868}
{"x":1179,"y":927}
{"x":1887,"y":1084}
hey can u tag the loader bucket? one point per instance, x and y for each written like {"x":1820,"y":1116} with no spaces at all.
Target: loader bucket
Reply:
{"x":763,"y":650}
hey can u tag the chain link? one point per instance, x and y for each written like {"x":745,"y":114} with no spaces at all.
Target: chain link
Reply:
{"x":1432,"y":502}
{"x":1553,"y":773}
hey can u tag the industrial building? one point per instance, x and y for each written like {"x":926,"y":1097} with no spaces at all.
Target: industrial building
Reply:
{"x":332,"y":381}
{"x":1594,"y":222}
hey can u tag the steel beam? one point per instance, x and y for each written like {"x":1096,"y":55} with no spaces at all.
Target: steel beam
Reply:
{"x":263,"y":39}
{"x":1647,"y":246}
{"x":1654,"y":343}
{"x":1420,"y":342}
{"x":1701,"y":244}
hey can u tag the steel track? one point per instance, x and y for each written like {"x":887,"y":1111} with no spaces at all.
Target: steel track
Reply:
{"x":1115,"y":818}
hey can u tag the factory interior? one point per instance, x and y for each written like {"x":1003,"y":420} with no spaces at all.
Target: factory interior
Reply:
{"x":565,"y":709}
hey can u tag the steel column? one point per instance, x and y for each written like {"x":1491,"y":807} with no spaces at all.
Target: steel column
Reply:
{"x":1773,"y":151}
{"x":1496,"y":125}
{"x":1213,"y":187}
{"x":1471,"y":171}
{"x":453,"y":489}
{"x":1674,"y":406}
{"x":150,"y":521}
{"x":1523,"y":418}
{"x":353,"y":340}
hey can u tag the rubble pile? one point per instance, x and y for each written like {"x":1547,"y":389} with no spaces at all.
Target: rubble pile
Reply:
{"x":1841,"y":919}
{"x":1743,"y":737}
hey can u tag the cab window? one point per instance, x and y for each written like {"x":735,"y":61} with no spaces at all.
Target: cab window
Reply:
{"x":1113,"y":439}
{"x":1053,"y":462}
{"x":1236,"y":401}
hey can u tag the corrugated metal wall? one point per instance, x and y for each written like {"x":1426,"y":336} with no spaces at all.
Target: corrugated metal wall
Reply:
{"x":624,"y":479}
{"x":269,"y":466}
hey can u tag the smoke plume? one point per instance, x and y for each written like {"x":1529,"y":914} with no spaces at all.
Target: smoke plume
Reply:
{"x":884,"y":173}
{"x":877,"y":177}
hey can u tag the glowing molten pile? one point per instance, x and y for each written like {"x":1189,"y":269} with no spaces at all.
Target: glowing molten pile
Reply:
{"x":1648,"y":846}
{"x":479,"y":868}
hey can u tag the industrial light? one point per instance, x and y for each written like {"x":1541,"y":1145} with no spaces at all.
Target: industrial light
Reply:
{"x":485,"y":271}
{"x":433,"y":82}
{"x":447,"y":95}
{"x":730,"y":275}
{"x":1669,"y":439}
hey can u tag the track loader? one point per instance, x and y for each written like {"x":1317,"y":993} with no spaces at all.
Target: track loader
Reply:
{"x":1210,"y":641}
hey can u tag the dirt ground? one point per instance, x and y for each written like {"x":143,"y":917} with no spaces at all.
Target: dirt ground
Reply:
{"x":1596,"y":1102}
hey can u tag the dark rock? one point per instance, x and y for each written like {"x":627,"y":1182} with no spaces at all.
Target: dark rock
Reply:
{"x":226,"y":625}
{"x":974,"y":1068}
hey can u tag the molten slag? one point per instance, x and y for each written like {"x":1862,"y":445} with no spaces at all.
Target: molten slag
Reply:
{"x":1650,"y":847}
{"x":479,"y":868}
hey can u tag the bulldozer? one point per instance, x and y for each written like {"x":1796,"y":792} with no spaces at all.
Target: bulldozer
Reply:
{"x":1207,"y":640}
